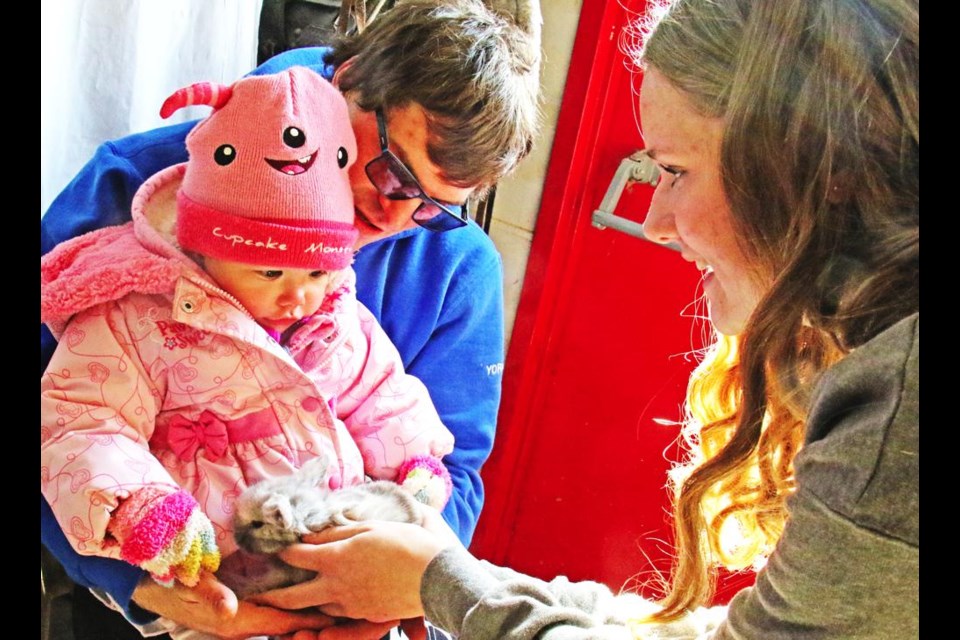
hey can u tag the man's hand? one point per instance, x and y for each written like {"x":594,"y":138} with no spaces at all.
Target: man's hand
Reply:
{"x":363,"y":630}
{"x":213,"y":608}
{"x":348,"y":630}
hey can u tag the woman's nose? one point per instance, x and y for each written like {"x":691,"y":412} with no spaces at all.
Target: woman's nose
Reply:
{"x":659,"y":224}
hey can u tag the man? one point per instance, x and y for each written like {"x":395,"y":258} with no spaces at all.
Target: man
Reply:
{"x":443,"y":102}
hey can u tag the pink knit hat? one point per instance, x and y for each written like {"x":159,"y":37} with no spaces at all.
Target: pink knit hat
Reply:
{"x":267,"y":181}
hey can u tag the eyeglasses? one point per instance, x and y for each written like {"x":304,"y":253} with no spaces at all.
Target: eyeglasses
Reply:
{"x":395,"y":181}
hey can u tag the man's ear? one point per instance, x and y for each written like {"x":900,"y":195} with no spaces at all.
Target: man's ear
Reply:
{"x":335,"y":81}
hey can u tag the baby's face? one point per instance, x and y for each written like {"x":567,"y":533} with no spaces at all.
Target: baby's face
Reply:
{"x":276,"y":297}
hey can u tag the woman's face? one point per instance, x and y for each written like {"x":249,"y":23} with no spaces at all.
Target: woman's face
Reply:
{"x":689,"y":206}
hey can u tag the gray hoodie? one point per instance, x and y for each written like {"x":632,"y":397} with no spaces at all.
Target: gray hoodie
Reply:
{"x":846,"y":566}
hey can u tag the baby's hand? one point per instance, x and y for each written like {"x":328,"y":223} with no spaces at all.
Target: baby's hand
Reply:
{"x":427,"y":479}
{"x":167,"y":534}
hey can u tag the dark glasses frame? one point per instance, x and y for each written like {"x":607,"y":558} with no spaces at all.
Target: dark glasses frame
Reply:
{"x":394,"y":180}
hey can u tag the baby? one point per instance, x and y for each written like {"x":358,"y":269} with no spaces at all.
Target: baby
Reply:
{"x":216,"y":340}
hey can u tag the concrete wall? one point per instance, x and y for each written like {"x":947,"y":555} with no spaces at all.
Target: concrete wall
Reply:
{"x":518,"y":197}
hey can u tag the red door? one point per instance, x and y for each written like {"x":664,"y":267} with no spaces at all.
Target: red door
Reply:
{"x":600,"y":354}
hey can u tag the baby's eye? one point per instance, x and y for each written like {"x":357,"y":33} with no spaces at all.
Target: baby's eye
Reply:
{"x":317,"y":274}
{"x":271,"y":274}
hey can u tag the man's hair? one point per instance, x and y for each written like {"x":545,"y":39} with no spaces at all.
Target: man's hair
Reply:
{"x":474,"y":71}
{"x":820,"y":160}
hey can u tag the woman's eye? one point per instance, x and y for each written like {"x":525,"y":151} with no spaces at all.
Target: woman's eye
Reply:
{"x":317,"y":274}
{"x":672,"y":173}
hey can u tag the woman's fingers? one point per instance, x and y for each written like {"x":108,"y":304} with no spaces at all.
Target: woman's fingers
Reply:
{"x":312,"y":556}
{"x":318,"y":592}
{"x":370,"y":571}
{"x":335,"y":534}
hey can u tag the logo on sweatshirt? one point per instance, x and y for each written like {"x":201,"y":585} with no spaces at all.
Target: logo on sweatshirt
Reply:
{"x":494,"y":369}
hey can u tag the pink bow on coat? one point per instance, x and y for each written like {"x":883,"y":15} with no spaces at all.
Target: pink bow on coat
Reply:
{"x":209,"y":432}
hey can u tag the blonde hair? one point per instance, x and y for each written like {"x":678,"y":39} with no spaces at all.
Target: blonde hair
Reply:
{"x":821,"y":166}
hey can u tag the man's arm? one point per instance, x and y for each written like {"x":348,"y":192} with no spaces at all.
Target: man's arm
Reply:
{"x":462,"y":366}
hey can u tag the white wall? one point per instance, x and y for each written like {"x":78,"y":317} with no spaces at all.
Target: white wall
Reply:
{"x":106,"y":66}
{"x":518,"y":196}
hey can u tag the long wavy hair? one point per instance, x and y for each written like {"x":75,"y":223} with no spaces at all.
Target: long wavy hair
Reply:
{"x":821,"y":166}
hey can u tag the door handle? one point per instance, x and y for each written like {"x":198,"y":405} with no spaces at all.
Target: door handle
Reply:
{"x":637,"y":167}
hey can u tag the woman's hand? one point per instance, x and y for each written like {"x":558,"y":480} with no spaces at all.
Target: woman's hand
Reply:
{"x":368,"y":571}
{"x":213,"y":608}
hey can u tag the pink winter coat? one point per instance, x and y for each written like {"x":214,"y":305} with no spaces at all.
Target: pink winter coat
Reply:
{"x":161,"y":377}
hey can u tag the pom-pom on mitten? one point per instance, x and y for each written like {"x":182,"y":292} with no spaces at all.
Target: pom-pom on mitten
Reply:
{"x":167,"y":534}
{"x":427,"y":479}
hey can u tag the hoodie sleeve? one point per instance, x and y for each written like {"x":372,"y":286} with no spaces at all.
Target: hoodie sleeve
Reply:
{"x":97,"y":410}
{"x":474,"y":599}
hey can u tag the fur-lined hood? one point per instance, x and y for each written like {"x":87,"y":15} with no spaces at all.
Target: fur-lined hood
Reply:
{"x":107,"y":264}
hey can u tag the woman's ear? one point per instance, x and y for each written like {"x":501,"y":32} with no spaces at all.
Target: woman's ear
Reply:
{"x":335,"y":81}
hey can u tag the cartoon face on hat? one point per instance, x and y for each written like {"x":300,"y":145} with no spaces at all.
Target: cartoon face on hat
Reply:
{"x":267,"y":181}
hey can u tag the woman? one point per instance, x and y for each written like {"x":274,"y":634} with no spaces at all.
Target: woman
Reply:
{"x":788,"y":136}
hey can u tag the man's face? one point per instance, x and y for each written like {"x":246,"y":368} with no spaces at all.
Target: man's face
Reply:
{"x":378,"y":217}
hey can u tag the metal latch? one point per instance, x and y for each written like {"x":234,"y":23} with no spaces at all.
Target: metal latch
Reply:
{"x":637,"y":167}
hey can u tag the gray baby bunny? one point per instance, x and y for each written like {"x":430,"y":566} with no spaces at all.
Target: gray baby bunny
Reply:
{"x":276,"y":512}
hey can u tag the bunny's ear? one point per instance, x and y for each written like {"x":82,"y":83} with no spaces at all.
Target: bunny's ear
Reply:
{"x":205,"y":93}
{"x":314,"y":471}
{"x":278,"y":511}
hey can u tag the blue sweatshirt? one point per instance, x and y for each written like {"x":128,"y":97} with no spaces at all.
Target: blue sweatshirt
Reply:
{"x":439,"y":296}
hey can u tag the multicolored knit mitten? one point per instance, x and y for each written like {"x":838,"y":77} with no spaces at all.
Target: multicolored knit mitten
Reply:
{"x":167,"y":534}
{"x":427,"y":479}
